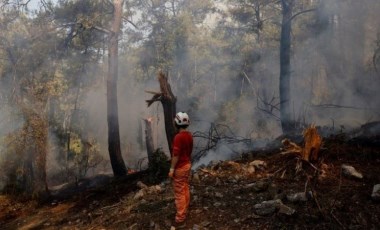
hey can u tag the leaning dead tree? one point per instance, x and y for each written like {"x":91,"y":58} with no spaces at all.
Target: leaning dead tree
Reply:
{"x":168,"y":101}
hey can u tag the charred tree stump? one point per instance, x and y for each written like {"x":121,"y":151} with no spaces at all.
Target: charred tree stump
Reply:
{"x":313,"y":142}
{"x":168,"y":101}
{"x":149,"y":139}
{"x":312,"y":145}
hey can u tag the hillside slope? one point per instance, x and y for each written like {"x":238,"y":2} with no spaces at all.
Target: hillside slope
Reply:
{"x":255,"y":192}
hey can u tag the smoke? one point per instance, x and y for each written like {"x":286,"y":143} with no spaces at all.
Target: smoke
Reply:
{"x":333,"y":81}
{"x":222,"y":152}
{"x":334,"y":67}
{"x":331,"y":65}
{"x":132,"y":110}
{"x":8,"y":123}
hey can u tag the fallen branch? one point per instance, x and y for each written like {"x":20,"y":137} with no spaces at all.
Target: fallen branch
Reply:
{"x":291,"y":147}
{"x":282,"y":168}
{"x":337,"y":220}
{"x":316,"y":202}
{"x":208,"y":172}
{"x":111,"y":206}
{"x":317,"y":169}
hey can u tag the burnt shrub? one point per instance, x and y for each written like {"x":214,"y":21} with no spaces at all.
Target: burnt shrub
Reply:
{"x":158,"y":167}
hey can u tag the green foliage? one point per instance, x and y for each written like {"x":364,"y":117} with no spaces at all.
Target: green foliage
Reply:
{"x":170,"y":30}
{"x":87,"y":157}
{"x":158,"y":167}
{"x":44,"y":60}
{"x":24,"y":158}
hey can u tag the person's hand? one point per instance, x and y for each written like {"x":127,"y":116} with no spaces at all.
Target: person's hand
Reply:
{"x":171,"y":173}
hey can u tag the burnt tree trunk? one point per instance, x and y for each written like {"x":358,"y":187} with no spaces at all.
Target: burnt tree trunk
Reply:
{"x":288,"y":122}
{"x":168,"y":101}
{"x":36,"y":146}
{"x":149,"y":139}
{"x":285,"y":42}
{"x":41,"y":142}
{"x":117,"y":162}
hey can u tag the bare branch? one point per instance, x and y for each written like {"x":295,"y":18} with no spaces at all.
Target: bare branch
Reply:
{"x":46,"y":5}
{"x":98,"y":28}
{"x":101,"y":29}
{"x":152,"y":92}
{"x":250,"y":83}
{"x":270,"y":113}
{"x":154,"y":99}
{"x":302,"y":12}
{"x":109,"y":2}
{"x":25,"y":4}
{"x":267,"y":104}
{"x":127,"y":20}
{"x":327,"y":106}
{"x":218,"y":133}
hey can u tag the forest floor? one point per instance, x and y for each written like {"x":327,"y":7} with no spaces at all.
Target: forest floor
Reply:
{"x":225,"y":195}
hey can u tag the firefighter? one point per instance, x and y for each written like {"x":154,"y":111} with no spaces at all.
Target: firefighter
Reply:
{"x":180,"y":168}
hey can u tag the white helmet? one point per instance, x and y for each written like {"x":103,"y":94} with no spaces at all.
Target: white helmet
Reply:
{"x":182,"y":119}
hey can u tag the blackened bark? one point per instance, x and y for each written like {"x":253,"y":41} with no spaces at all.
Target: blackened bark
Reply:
{"x":168,"y":101}
{"x":117,"y":162}
{"x":169,"y":105}
{"x":149,"y":139}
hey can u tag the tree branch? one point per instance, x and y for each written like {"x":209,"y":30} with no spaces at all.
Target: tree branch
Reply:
{"x":15,"y":4}
{"x":22,"y":4}
{"x":302,"y":12}
{"x":343,"y":107}
{"x":98,"y":28}
{"x":101,"y":29}
{"x":268,"y":104}
{"x":127,"y":20}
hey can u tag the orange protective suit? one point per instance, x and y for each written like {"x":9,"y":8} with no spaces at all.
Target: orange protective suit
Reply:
{"x":182,"y":191}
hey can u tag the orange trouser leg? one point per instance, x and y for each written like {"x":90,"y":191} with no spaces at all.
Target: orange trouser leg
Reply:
{"x":182,"y":192}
